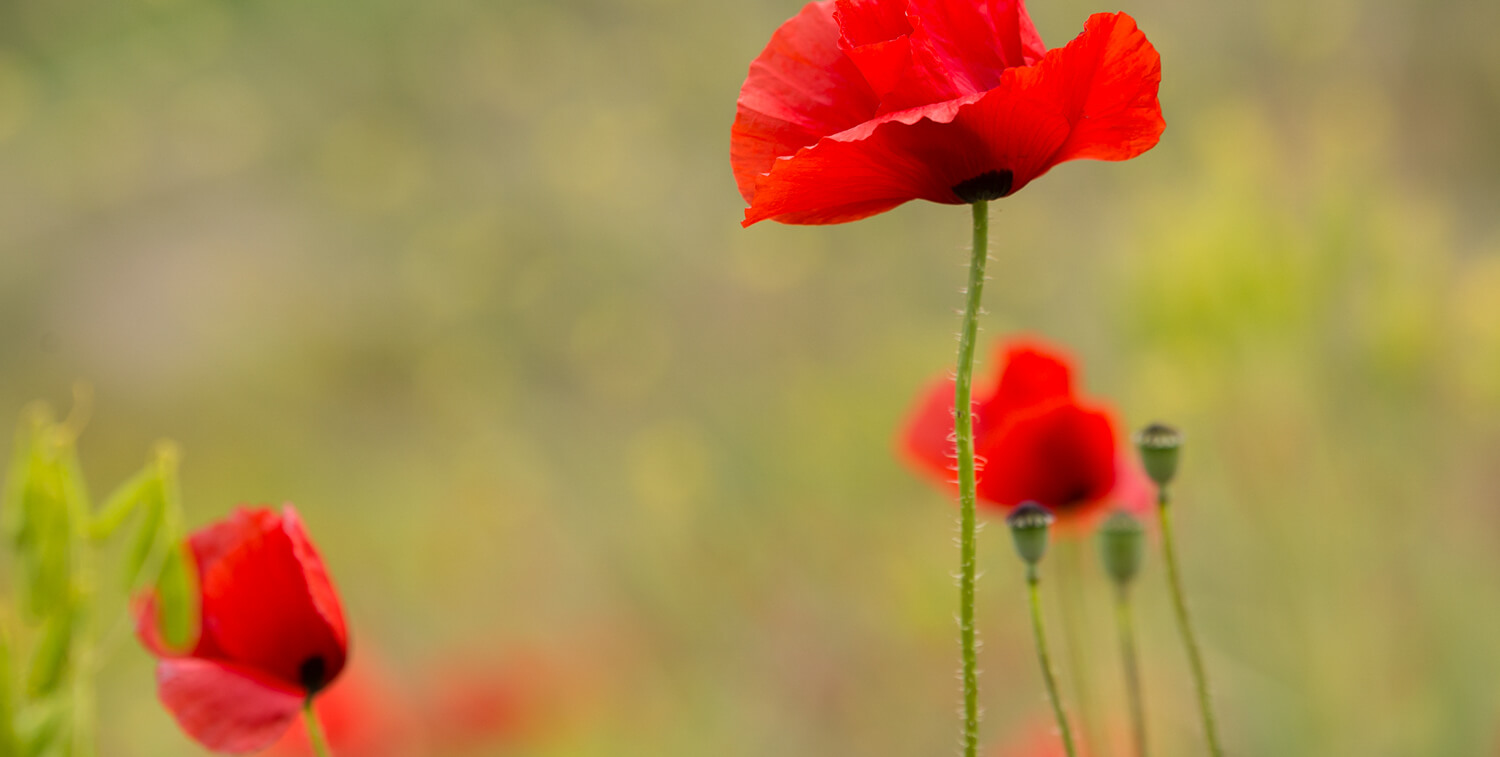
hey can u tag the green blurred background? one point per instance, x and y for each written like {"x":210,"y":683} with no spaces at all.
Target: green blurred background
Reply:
{"x":465,"y":281}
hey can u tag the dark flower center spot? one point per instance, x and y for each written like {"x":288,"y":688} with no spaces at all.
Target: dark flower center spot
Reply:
{"x":990,"y":185}
{"x":312,"y":674}
{"x":1079,"y":494}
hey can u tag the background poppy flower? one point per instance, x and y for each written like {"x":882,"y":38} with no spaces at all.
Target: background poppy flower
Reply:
{"x":271,"y":635}
{"x":857,"y":106}
{"x":1034,"y":439}
{"x":478,"y":702}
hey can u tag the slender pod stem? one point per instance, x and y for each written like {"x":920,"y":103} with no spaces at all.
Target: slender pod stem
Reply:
{"x":1189,"y":639}
{"x":315,"y":737}
{"x":1125,"y":622}
{"x":963,"y":427}
{"x":1032,"y":583}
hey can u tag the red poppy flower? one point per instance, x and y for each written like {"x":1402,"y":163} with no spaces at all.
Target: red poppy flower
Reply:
{"x":857,"y":106}
{"x":271,"y":632}
{"x":1034,"y":440}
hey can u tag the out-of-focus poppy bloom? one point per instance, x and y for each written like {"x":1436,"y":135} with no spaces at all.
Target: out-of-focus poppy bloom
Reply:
{"x":271,"y":632}
{"x":857,"y":106}
{"x":1042,"y":740}
{"x":508,"y":701}
{"x":1034,"y":440}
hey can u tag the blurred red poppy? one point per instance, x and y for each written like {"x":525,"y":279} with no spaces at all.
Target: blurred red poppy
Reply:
{"x":271,"y":632}
{"x":479,"y":703}
{"x":1034,"y":440}
{"x":857,"y":106}
{"x":1040,"y":740}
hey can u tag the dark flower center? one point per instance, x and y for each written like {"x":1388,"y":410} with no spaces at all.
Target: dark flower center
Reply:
{"x":990,"y":185}
{"x":312,"y":673}
{"x":1081,"y":493}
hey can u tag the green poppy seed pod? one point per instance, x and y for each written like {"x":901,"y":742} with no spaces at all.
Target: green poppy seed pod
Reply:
{"x":1028,"y":527}
{"x":1159,"y":445}
{"x":1122,"y":542}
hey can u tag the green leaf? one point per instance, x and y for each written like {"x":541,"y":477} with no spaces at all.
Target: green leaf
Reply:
{"x":40,"y":727}
{"x":122,"y":502}
{"x":169,"y":564}
{"x":45,"y":541}
{"x":50,"y":658}
{"x":71,"y":486}
{"x":176,"y":598}
{"x":9,"y":747}
{"x":145,"y":549}
{"x":16,"y":480}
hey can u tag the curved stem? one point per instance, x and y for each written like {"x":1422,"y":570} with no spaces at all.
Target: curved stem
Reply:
{"x":1125,"y":622}
{"x":315,"y":737}
{"x":1032,"y":581}
{"x":963,"y":427}
{"x":1189,"y":639}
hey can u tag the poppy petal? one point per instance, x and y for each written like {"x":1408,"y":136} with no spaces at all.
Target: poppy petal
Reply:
{"x":1108,"y":77}
{"x":1134,"y":492}
{"x":225,"y":707}
{"x":268,"y":603}
{"x":865,"y":22}
{"x":1094,"y":98}
{"x":1032,"y":374}
{"x":921,"y":153}
{"x":959,"y":49}
{"x":209,"y":545}
{"x":319,"y":585}
{"x":927,"y":441}
{"x":801,"y":87}
{"x":876,"y":36}
{"x":148,"y":627}
{"x":1061,"y":455}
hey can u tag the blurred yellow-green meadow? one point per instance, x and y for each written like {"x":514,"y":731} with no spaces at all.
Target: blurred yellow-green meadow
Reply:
{"x":466,"y":282}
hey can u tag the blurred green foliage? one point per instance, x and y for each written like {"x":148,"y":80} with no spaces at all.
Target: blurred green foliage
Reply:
{"x":465,"y":281}
{"x":55,"y":608}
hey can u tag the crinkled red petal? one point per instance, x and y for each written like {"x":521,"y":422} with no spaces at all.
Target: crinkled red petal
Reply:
{"x":1094,"y":98}
{"x":801,"y":87}
{"x":865,"y":22}
{"x":1060,"y":455}
{"x":225,"y":707}
{"x":883,"y":64}
{"x":876,"y":36}
{"x":268,"y":603}
{"x":960,"y":49}
{"x":1108,"y":84}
